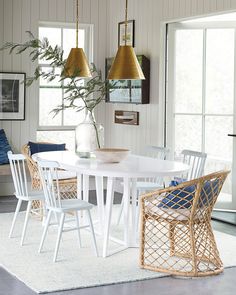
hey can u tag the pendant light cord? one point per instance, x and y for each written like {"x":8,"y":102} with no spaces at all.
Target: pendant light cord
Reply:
{"x":77,"y":23}
{"x":126,"y":20}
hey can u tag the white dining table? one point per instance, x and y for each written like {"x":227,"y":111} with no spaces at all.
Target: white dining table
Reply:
{"x":130,"y":169}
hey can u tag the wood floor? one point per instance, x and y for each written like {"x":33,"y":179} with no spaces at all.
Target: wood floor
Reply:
{"x":223,"y":284}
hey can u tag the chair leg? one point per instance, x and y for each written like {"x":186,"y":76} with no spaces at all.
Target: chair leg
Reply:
{"x":92,"y":232}
{"x":137,"y":219}
{"x":26,"y":222}
{"x":172,"y":239}
{"x":60,"y":229}
{"x":45,"y":231}
{"x":15,"y":216}
{"x":77,"y":223}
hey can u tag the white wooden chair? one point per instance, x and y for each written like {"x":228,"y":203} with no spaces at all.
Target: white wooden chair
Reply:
{"x":152,"y":183}
{"x":54,"y":203}
{"x":196,"y":161}
{"x":17,"y":165}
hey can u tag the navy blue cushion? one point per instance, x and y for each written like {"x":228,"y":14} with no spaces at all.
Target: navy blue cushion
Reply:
{"x":178,"y":199}
{"x":210,"y":189}
{"x":181,"y":199}
{"x":45,"y":147}
{"x":4,"y":148}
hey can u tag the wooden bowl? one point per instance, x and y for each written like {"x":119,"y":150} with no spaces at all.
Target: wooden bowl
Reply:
{"x":111,"y":155}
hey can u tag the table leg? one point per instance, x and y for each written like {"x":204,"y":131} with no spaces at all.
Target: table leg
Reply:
{"x":126,"y":197}
{"x":108,"y":213}
{"x":79,"y":186}
{"x":134,"y":196}
{"x":100,"y":201}
{"x":86,"y":188}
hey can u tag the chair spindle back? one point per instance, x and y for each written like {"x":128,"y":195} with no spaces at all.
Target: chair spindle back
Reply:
{"x":196,"y":160}
{"x":48,"y":171}
{"x":17,"y":164}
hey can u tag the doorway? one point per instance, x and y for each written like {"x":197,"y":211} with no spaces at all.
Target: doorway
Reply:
{"x":201,"y":94}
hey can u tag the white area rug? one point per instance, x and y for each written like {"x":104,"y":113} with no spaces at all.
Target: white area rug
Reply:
{"x":76,"y":268}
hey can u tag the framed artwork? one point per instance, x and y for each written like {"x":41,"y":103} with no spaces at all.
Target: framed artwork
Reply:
{"x":12,"y":96}
{"x":130,"y":33}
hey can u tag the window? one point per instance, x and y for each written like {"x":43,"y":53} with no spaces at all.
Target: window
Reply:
{"x":60,"y":128}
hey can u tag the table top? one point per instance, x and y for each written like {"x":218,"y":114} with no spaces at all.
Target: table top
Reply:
{"x":133,"y":166}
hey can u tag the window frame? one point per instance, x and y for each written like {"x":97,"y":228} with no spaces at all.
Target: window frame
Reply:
{"x":169,"y":101}
{"x":88,"y":48}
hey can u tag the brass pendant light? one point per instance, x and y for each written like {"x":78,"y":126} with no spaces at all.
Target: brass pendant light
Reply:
{"x":125,"y":65}
{"x":77,"y":64}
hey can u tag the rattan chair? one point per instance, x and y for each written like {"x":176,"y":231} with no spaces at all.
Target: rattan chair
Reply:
{"x":67,"y":181}
{"x":176,"y":232}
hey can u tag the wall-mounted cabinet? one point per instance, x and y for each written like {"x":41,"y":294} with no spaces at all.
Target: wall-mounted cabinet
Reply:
{"x":130,"y":91}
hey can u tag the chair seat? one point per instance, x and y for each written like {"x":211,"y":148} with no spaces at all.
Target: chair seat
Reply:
{"x":145,"y":185}
{"x":32,"y":196}
{"x":72,"y":205}
{"x":170,"y":214}
{"x":66,"y":175}
{"x":63,"y":175}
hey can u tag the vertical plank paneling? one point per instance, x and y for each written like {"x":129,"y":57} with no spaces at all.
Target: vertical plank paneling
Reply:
{"x":43,"y":9}
{"x":213,"y":5}
{"x":94,"y":15}
{"x":16,"y":66}
{"x":17,"y":16}
{"x":34,"y":89}
{"x":61,"y":10}
{"x":187,"y":5}
{"x":86,"y":15}
{"x":70,"y":12}
{"x":7,"y":59}
{"x":52,"y":10}
{"x":98,"y":18}
{"x":200,"y":6}
{"x":25,"y":26}
{"x":232,"y":4}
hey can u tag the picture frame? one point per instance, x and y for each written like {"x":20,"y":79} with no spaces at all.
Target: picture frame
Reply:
{"x":130,"y":33}
{"x":12,"y":96}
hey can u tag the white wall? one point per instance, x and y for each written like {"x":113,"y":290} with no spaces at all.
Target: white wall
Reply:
{"x":148,"y":15}
{"x":18,"y":16}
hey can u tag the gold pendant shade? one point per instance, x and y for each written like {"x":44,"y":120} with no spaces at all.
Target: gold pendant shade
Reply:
{"x":125,"y":65}
{"x":77,"y":64}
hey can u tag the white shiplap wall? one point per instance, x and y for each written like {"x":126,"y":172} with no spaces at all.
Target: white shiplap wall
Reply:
{"x":149,"y":15}
{"x":18,"y":16}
